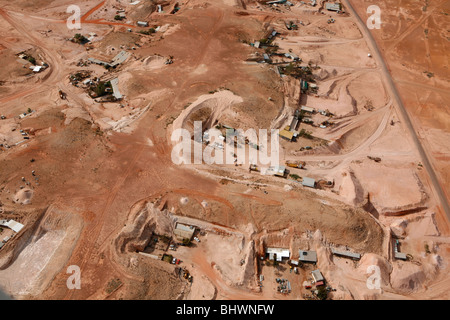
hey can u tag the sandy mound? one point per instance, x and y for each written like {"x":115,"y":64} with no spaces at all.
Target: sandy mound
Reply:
{"x":347,"y":188}
{"x":398,"y":228}
{"x":150,"y":63}
{"x":232,"y":258}
{"x":143,"y":220}
{"x":168,"y":29}
{"x":126,"y":123}
{"x":218,"y":103}
{"x":371,"y":259}
{"x":76,"y":112}
{"x":407,"y":277}
{"x":23,"y":196}
{"x":202,"y":288}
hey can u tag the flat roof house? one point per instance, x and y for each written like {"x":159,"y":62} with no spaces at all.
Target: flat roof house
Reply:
{"x":317,"y":276}
{"x":286,"y":134}
{"x":183,"y":231}
{"x":278,"y":252}
{"x":14,"y":225}
{"x":308,"y":256}
{"x":307,"y":109}
{"x":333,"y":6}
{"x":346,"y":254}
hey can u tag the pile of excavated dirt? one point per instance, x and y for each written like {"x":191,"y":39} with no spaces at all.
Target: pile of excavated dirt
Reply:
{"x":218,"y":103}
{"x":370,"y":260}
{"x":232,"y":257}
{"x":143,"y":220}
{"x":23,"y":196}
{"x":407,"y":277}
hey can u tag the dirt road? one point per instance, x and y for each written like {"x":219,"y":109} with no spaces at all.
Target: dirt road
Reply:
{"x":401,"y":108}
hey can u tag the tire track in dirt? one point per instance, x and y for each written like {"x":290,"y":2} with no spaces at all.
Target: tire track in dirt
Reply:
{"x":438,"y":189}
{"x":412,"y":28}
{"x":265,"y":201}
{"x":96,"y":229}
{"x":53,"y":74}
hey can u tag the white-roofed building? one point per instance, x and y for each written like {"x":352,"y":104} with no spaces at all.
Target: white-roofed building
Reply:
{"x":14,"y":225}
{"x":115,"y":88}
{"x":279,"y":253}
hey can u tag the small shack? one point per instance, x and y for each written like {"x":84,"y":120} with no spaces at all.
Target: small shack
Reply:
{"x":397,"y":254}
{"x":279,"y":171}
{"x":330,"y":6}
{"x":309,"y":182}
{"x":183,"y":231}
{"x":115,"y":88}
{"x":142,"y":24}
{"x":308,"y":256}
{"x":286,"y":134}
{"x":308,"y":109}
{"x":317,"y":277}
{"x":346,"y":254}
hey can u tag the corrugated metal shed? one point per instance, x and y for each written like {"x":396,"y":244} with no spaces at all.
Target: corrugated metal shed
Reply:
{"x":14,"y":225}
{"x":308,"y":256}
{"x":115,"y":87}
{"x":183,"y":231}
{"x":333,"y":6}
{"x":400,"y":255}
{"x":317,"y":275}
{"x":288,"y":135}
{"x":120,"y":58}
{"x":96,"y":61}
{"x":307,"y":109}
{"x":150,"y":255}
{"x":309,"y":182}
{"x":347,"y":254}
{"x":279,"y":171}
